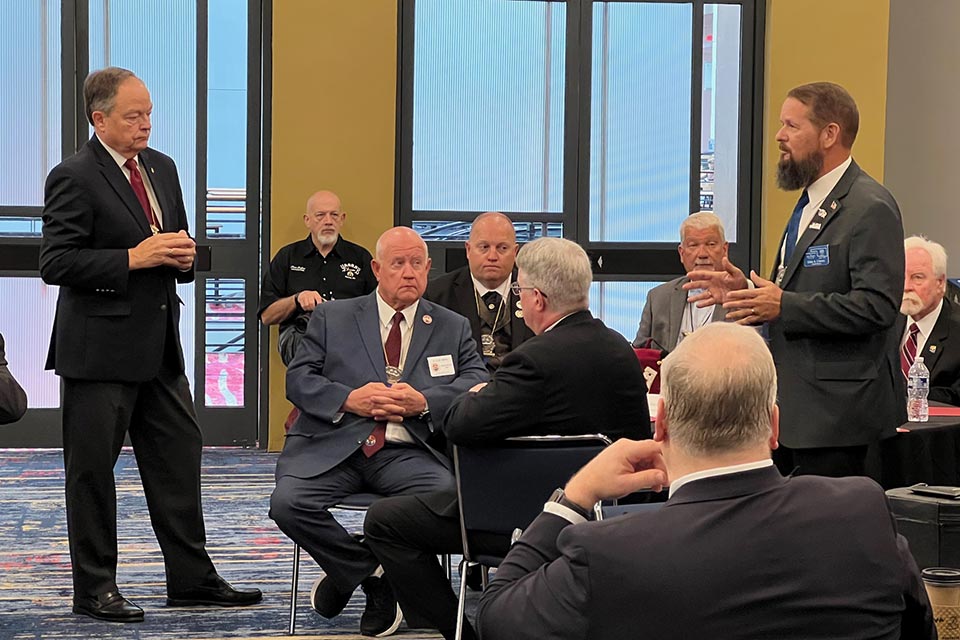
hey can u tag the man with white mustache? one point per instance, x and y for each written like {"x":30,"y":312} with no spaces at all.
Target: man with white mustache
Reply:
{"x":930,"y":319}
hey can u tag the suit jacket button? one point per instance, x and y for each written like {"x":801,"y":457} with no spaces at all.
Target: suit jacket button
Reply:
{"x":163,"y":307}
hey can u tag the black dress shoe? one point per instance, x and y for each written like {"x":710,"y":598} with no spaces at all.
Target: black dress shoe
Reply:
{"x":218,"y":594}
{"x":108,"y":606}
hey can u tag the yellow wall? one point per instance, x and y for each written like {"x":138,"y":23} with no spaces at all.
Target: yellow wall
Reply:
{"x":813,"y":40}
{"x":334,"y":111}
{"x":334,"y":127}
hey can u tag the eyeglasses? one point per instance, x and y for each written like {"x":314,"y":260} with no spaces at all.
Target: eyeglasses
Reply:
{"x":516,"y":289}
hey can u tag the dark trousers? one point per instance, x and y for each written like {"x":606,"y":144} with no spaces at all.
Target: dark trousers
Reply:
{"x":160,"y":418}
{"x":300,"y":506}
{"x":834,"y":462}
{"x":406,"y":534}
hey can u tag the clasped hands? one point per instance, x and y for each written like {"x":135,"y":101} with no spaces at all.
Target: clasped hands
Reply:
{"x":386,"y":403}
{"x":624,"y":467}
{"x":730,"y":289}
{"x":176,"y":250}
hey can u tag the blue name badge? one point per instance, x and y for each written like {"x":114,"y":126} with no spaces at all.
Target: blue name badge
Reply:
{"x":818,"y":256}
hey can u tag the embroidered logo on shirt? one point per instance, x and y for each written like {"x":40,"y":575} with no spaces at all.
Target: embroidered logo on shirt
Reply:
{"x":350,"y":270}
{"x":294,"y":267}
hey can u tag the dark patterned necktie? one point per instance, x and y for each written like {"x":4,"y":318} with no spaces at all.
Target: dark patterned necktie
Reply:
{"x":136,"y":181}
{"x":391,"y":347}
{"x":908,"y":352}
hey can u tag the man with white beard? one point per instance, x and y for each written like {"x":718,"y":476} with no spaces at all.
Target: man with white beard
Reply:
{"x":930,"y":319}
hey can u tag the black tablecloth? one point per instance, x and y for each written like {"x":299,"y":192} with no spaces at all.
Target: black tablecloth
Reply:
{"x":929,"y":453}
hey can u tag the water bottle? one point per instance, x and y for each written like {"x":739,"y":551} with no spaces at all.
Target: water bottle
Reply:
{"x":918,"y":386}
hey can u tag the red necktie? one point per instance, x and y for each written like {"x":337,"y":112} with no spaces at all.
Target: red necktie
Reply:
{"x":136,"y":181}
{"x":376,"y":439}
{"x":908,"y":352}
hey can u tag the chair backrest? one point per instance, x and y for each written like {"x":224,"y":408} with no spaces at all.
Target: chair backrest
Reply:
{"x":503,"y":487}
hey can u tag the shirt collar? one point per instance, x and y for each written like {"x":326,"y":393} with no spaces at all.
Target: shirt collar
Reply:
{"x":116,"y":155}
{"x":385,"y":311}
{"x":926,"y":323}
{"x":718,"y":471}
{"x":312,"y":248}
{"x":503,"y":288}
{"x":559,"y":321}
{"x":822,"y":186}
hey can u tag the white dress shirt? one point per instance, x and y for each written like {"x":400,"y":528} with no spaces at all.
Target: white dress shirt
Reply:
{"x":396,"y":432}
{"x":925,"y":325}
{"x":151,"y":196}
{"x":817,"y":192}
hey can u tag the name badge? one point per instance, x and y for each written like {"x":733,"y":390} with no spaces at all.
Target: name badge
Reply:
{"x":818,"y":256}
{"x":441,"y":366}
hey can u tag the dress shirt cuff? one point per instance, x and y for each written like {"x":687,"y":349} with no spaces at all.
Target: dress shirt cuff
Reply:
{"x":566,"y":513}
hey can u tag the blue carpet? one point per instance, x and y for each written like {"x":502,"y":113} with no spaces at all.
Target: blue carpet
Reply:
{"x":246,"y":546}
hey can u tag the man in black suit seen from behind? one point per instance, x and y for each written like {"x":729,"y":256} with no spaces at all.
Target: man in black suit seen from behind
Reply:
{"x":480,"y":291}
{"x":930,"y":320}
{"x":737,"y":551}
{"x":13,"y":401}
{"x":831,"y":303}
{"x":115,"y":241}
{"x":575,"y":376}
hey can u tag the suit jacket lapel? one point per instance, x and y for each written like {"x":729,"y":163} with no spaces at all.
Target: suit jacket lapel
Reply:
{"x":677,"y":303}
{"x":368,"y":320}
{"x":466,"y":297}
{"x":934,"y":346}
{"x":517,"y":326}
{"x":160,"y":190}
{"x":115,"y":178}
{"x":421,"y":334}
{"x":825,"y":213}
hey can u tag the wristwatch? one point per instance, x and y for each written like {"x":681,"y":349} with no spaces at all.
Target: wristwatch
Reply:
{"x":560,"y":498}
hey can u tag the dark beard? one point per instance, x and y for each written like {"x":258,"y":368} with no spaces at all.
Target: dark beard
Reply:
{"x":799,"y":174}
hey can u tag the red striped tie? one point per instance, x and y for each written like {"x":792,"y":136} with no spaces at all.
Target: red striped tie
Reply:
{"x":376,"y":439}
{"x":908,"y":352}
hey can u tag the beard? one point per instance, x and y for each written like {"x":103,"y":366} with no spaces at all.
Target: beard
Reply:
{"x":327,"y":239}
{"x":911,"y":305}
{"x":796,"y":174}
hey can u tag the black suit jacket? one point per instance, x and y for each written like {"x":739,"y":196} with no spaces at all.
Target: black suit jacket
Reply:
{"x":455,"y":291}
{"x":940,"y":356}
{"x":834,"y":342}
{"x":745,"y":555}
{"x":579,"y":377}
{"x":13,"y":401}
{"x":111,"y":322}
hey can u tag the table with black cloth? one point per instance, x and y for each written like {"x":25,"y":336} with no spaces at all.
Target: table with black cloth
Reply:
{"x":928,"y":452}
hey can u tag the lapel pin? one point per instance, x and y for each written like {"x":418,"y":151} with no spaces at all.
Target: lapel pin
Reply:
{"x":933,"y":348}
{"x":815,"y":226}
{"x":821,"y":213}
{"x":834,"y":205}
{"x":519,"y":306}
{"x":518,"y":313}
{"x":427,"y":319}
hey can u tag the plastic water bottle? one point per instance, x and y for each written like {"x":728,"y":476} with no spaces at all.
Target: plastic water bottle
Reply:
{"x":918,"y":386}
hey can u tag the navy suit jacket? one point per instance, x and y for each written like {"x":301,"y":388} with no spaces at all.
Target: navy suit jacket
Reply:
{"x":745,"y":555}
{"x":941,"y":355}
{"x":111,"y":322}
{"x":341,"y":351}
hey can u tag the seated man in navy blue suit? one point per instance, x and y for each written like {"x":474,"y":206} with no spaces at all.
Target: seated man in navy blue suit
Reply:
{"x":737,"y":551}
{"x":372,"y":378}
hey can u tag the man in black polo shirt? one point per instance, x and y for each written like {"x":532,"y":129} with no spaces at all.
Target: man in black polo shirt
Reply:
{"x":321,"y":267}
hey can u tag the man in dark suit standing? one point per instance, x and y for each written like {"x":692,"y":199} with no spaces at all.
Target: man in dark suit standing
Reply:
{"x":929,"y":320}
{"x":115,"y":241}
{"x":832,"y":301}
{"x":575,"y":377}
{"x":13,"y":401}
{"x":480,"y":291}
{"x":372,"y":378}
{"x":737,"y":551}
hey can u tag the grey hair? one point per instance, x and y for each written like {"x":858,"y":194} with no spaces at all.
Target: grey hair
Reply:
{"x":560,"y":269}
{"x":938,"y":255}
{"x":100,"y":89}
{"x":702,"y":220}
{"x":719,"y":388}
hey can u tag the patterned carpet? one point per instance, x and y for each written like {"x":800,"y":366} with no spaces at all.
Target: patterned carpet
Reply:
{"x":246,"y":546}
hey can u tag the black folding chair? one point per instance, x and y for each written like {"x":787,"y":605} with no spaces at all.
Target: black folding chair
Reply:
{"x":502,"y":488}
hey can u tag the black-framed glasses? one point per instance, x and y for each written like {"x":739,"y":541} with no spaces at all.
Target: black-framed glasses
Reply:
{"x":516,"y":289}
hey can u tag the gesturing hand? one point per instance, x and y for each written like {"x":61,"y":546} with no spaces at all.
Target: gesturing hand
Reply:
{"x":754,"y":306}
{"x":716,"y":285}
